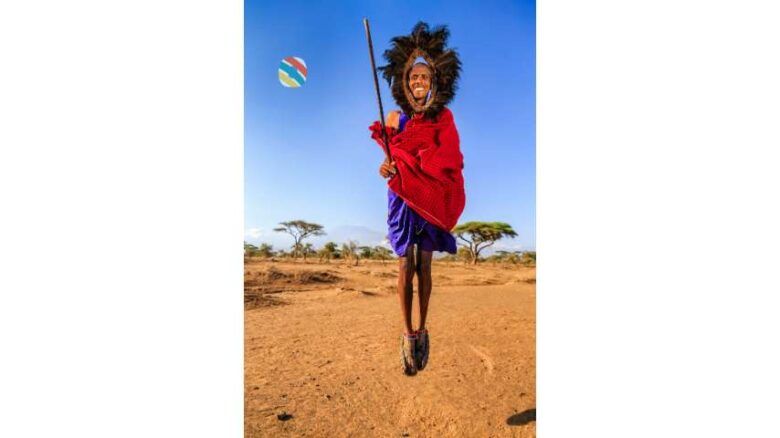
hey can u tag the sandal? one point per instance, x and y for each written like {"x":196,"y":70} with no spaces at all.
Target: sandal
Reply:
{"x":422,"y":349}
{"x":408,"y":349}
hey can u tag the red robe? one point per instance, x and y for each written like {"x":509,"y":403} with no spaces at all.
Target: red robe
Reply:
{"x":430,"y":167}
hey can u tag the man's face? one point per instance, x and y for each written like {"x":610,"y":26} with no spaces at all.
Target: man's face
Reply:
{"x":420,"y":81}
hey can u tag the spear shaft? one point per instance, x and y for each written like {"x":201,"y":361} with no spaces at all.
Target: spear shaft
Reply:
{"x":376,"y":87}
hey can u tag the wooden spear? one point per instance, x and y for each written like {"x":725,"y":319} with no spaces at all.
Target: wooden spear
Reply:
{"x":376,"y":87}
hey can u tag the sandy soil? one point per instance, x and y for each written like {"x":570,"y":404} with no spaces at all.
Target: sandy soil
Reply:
{"x":322,"y":352}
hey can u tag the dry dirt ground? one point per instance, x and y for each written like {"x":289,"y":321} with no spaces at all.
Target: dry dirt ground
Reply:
{"x":322,"y":352}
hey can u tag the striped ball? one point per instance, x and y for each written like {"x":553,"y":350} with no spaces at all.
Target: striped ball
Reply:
{"x":292,"y":72}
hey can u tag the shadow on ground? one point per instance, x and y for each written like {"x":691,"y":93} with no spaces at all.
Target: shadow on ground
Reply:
{"x":522,"y":418}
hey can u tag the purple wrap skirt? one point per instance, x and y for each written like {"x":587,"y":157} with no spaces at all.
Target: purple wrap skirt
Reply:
{"x":406,"y":228}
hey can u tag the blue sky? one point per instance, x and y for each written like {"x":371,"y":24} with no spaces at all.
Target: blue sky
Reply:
{"x":308,"y":154}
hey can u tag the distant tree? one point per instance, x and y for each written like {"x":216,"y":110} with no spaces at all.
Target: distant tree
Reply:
{"x":463,"y":254}
{"x":495,"y":258}
{"x":265,"y":250}
{"x":499,"y":256}
{"x":349,"y":251}
{"x":333,"y":248}
{"x":308,"y":249}
{"x":300,"y":230}
{"x":249,"y":250}
{"x":329,"y":251}
{"x":382,"y":253}
{"x":449,"y":258}
{"x":366,"y":252}
{"x":480,"y":235}
{"x":529,"y":258}
{"x":506,"y":257}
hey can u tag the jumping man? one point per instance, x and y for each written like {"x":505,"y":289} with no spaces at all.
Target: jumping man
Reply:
{"x":425,"y":183}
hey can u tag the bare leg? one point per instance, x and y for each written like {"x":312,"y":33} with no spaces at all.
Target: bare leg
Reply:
{"x":424,"y":282}
{"x":405,"y":285}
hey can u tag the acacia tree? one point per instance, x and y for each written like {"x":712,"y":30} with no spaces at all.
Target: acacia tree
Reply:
{"x":382,"y":253}
{"x":265,"y":250}
{"x":480,"y":235}
{"x":329,"y":251}
{"x":366,"y":252}
{"x":300,"y":230}
{"x":512,"y":257}
{"x":249,"y":249}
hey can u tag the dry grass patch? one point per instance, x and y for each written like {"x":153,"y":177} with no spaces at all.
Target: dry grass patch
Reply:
{"x":253,"y":300}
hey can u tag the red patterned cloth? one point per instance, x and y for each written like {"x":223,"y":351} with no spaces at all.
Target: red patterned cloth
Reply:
{"x":430,"y":167}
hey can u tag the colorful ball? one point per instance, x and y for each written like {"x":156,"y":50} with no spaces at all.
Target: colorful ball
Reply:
{"x":292,"y":72}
